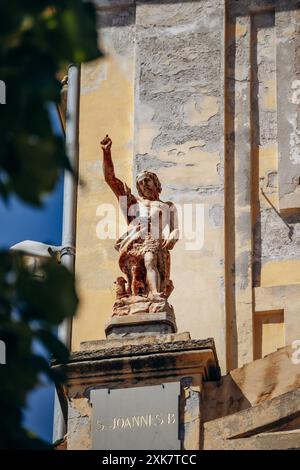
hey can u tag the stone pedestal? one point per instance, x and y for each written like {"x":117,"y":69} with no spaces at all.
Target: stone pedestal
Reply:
{"x":140,"y":316}
{"x":156,"y":363}
{"x":141,"y":324}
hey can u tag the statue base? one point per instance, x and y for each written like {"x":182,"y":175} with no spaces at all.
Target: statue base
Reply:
{"x":141,"y":315}
{"x":137,"y":393}
{"x":141,"y":324}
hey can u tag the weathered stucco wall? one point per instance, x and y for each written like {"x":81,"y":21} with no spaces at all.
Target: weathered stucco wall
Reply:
{"x":170,"y":55}
{"x":179,"y":135}
{"x":262,"y":237}
{"x":181,"y":83}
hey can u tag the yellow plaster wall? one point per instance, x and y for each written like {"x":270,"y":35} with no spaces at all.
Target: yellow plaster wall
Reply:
{"x":280,"y":273}
{"x":106,"y":106}
{"x":269,"y":333}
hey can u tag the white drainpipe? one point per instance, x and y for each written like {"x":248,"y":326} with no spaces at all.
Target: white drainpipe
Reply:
{"x":69,"y":217}
{"x":70,"y":185}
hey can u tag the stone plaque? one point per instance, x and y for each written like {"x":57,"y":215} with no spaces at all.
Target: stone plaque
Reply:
{"x":144,"y":418}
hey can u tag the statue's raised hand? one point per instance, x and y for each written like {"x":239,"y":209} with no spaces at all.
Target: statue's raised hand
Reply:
{"x":106,"y":143}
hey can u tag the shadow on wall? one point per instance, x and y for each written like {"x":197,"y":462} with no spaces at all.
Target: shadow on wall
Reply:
{"x":222,"y":398}
{"x":126,"y":14}
{"x":262,"y":380}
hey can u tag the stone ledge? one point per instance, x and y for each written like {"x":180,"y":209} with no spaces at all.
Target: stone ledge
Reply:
{"x":187,"y":357}
{"x":145,"y":339}
{"x":142,"y":349}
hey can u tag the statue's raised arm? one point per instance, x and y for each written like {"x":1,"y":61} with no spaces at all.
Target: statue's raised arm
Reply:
{"x":118,"y":187}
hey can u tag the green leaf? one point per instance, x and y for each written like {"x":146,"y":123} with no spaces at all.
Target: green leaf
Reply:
{"x":53,"y":344}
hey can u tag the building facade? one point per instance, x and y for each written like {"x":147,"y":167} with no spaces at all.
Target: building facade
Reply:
{"x":206,"y":94}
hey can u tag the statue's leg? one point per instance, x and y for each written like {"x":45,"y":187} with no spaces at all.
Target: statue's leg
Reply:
{"x":153,"y":276}
{"x":129,"y":284}
{"x":134,"y":286}
{"x":164,"y":269}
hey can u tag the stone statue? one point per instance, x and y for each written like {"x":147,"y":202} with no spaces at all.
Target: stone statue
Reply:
{"x":145,"y":248}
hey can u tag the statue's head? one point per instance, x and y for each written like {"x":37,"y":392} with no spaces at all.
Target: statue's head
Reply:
{"x":148,"y":185}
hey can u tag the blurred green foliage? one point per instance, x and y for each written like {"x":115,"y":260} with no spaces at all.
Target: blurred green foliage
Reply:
{"x":38,"y":39}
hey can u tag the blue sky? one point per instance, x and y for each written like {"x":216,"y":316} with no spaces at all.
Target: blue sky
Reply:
{"x":23,"y":222}
{"x":20,"y":222}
